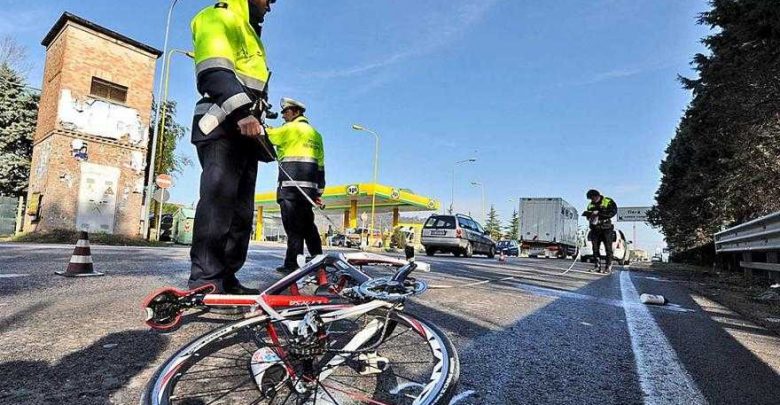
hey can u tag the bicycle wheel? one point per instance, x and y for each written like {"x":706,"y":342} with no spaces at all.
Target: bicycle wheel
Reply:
{"x":381,"y":357}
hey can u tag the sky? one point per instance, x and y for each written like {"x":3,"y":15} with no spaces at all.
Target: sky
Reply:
{"x":551,"y":97}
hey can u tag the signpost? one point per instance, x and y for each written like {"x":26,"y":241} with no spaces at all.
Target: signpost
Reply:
{"x":161,"y":196}
{"x":164,"y":182}
{"x":634,"y":215}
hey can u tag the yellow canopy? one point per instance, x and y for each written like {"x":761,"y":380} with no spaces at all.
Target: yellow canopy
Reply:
{"x":343,"y":198}
{"x":353,"y":198}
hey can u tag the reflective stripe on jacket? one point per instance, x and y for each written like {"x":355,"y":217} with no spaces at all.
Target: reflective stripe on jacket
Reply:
{"x":301,"y":154}
{"x":230,"y":64}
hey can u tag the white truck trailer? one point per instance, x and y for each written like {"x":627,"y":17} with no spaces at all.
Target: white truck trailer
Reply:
{"x":548,"y":228}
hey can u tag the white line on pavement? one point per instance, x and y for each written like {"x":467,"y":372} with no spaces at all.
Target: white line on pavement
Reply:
{"x":663,"y":378}
{"x":476,"y":283}
{"x":461,"y":396}
{"x":13,"y":275}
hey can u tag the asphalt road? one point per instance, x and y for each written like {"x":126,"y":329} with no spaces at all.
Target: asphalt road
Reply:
{"x":526,"y":333}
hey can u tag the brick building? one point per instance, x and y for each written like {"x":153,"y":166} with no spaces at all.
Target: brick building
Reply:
{"x":90,"y":145}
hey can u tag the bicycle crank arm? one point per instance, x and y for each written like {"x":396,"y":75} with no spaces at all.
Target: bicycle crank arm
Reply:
{"x":164,"y":307}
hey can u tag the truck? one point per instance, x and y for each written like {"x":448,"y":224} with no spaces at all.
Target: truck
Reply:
{"x":548,"y":228}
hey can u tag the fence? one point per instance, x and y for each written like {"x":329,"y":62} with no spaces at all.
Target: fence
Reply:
{"x":752,"y":246}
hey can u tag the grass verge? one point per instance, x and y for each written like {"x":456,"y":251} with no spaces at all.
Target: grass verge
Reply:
{"x":69,"y":236}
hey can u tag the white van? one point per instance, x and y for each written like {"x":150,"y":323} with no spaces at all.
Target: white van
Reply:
{"x":621,"y":252}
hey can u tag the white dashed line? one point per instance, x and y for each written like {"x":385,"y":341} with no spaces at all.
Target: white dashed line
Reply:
{"x":662,"y":377}
{"x":13,"y":275}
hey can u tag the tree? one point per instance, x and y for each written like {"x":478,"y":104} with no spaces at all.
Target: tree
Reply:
{"x":18,"y":116}
{"x":721,"y":167}
{"x":513,"y":227}
{"x":166,"y":159}
{"x":13,"y":55}
{"x":493,"y":224}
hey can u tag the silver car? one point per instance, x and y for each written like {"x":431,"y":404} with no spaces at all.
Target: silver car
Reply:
{"x":457,"y":234}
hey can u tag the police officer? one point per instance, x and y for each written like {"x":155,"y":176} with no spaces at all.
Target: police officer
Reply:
{"x":599,"y":213}
{"x":232,"y":76}
{"x":301,"y":157}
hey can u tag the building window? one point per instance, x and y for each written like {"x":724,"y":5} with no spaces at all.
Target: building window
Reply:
{"x":109,"y":91}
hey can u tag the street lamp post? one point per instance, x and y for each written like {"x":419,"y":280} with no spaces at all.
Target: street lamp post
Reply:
{"x":452,"y":197}
{"x":155,"y":130}
{"x":482,"y":186}
{"x":357,"y":127}
{"x":164,"y":114}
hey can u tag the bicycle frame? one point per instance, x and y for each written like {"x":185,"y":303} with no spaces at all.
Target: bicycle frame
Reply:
{"x":322,"y":269}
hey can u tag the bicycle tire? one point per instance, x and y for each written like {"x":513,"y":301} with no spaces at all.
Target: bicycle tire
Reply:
{"x":159,"y":388}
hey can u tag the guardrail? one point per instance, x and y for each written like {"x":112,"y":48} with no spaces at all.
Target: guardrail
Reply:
{"x":755,"y":240}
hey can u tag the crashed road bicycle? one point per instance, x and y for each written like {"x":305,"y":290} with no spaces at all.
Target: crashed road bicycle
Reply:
{"x":326,"y":334}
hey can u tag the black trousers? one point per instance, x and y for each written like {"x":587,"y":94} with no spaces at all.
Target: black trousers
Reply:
{"x":223,"y":218}
{"x":605,"y":236}
{"x":298,"y":222}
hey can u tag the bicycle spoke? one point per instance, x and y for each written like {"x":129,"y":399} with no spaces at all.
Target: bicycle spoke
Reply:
{"x":319,"y":383}
{"x":396,"y":336}
{"x":231,"y":390}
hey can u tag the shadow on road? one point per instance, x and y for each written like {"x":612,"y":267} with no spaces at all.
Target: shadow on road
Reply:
{"x":88,"y":376}
{"x":578,"y":350}
{"x":9,"y":323}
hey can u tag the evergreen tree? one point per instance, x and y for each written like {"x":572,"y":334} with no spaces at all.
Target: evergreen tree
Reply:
{"x":493,"y":224}
{"x":513,"y":227}
{"x":18,"y":116}
{"x":721,"y":168}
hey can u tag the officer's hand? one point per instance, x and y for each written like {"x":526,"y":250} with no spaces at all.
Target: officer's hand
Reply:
{"x":319,"y":202}
{"x":250,"y":126}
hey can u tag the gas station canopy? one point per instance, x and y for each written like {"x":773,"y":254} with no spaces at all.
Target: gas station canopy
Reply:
{"x":352,"y":198}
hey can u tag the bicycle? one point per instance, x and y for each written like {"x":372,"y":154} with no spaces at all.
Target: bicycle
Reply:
{"x":325,"y":334}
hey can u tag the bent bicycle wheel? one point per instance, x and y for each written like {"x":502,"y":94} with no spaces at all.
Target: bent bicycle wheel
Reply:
{"x":381,"y":357}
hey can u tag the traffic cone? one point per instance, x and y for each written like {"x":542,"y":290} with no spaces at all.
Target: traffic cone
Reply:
{"x":81,"y":262}
{"x":502,"y":256}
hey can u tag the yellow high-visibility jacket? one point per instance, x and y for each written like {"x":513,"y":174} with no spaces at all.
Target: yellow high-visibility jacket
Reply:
{"x":230,"y":65}
{"x":301,"y":154}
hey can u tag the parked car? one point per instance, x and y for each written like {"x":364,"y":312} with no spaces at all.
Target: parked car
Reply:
{"x":620,"y":249}
{"x":510,"y":247}
{"x":340,"y":240}
{"x":457,"y":234}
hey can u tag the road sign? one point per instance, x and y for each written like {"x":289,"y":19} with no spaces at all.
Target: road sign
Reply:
{"x":632,"y":214}
{"x":164,"y":181}
{"x":161,"y":195}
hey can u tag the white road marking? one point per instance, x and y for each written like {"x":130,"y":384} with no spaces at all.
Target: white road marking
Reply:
{"x":662,"y":377}
{"x":461,"y":396}
{"x":13,"y":275}
{"x":472,"y":284}
{"x":404,"y":386}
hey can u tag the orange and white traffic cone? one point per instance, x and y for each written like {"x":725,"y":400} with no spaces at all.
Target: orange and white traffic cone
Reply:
{"x":502,"y":256}
{"x":81,"y":262}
